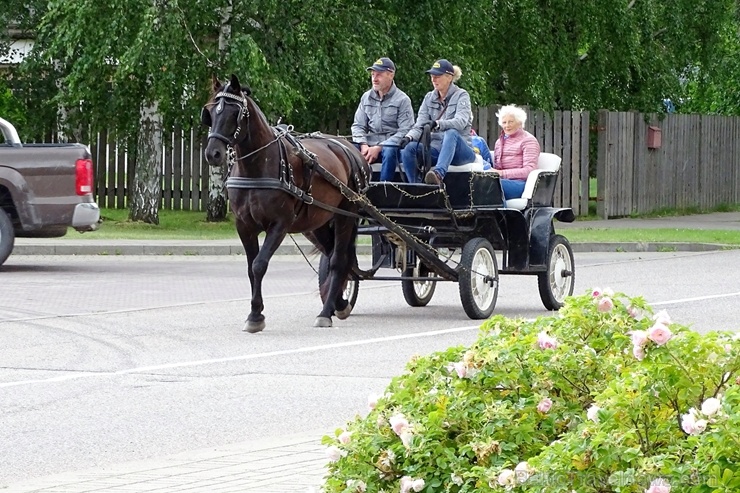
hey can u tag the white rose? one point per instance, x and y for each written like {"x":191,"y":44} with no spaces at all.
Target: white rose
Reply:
{"x":711,"y":406}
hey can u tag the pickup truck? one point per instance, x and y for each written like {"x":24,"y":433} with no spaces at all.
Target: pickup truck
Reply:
{"x":44,"y":189}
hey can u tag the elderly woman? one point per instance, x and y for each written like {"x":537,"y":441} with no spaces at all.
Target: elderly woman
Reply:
{"x":516,"y":151}
{"x":447,"y":110}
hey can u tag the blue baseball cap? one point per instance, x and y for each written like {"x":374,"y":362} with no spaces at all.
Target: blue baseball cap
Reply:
{"x":441,"y":67}
{"x":383,"y":65}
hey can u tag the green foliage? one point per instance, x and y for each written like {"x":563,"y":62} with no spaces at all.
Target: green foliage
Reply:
{"x":606,"y":396}
{"x":10,"y":107}
{"x":99,"y":63}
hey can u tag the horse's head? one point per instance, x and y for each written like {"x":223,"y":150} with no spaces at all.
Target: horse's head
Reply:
{"x":227,"y":115}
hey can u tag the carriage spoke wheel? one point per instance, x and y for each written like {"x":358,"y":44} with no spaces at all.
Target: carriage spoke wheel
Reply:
{"x":478,"y":281}
{"x":558,"y":282}
{"x":350,"y":290}
{"x":418,"y":293}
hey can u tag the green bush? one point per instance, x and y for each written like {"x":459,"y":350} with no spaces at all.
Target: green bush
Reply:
{"x":605,"y":396}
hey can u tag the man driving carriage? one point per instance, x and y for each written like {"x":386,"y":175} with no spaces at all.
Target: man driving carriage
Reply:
{"x":447,"y":110}
{"x":383,"y":117}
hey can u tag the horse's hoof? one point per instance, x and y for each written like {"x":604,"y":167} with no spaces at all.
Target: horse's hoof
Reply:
{"x":343,"y":314}
{"x":322,"y":322}
{"x":254,"y":327}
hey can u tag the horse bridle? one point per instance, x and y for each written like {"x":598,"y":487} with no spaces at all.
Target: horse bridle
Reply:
{"x":241,"y":101}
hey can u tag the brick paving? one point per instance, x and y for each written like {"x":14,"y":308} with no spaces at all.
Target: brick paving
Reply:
{"x":283,"y":465}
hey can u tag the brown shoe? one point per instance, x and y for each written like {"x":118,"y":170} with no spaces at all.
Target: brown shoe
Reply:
{"x":433,"y":178}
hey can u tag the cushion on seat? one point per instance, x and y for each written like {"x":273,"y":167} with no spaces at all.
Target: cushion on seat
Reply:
{"x":546,"y":163}
{"x":476,"y":165}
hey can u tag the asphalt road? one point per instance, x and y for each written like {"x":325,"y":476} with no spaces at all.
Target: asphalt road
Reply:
{"x":111,"y":359}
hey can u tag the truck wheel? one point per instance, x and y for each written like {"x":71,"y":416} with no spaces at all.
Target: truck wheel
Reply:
{"x":559,"y":280}
{"x":418,"y":293}
{"x":350,"y":290}
{"x":7,"y":236}
{"x":478,"y":281}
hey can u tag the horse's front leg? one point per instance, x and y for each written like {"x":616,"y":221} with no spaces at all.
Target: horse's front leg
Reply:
{"x":257,"y":267}
{"x":250,"y":242}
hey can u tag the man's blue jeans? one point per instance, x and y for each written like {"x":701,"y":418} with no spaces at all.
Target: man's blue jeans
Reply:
{"x":454,"y":151}
{"x":389,"y":163}
{"x":388,"y":158}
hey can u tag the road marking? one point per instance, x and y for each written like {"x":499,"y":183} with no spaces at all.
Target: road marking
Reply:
{"x":244,"y":357}
{"x":308,"y":349}
{"x":697,"y":298}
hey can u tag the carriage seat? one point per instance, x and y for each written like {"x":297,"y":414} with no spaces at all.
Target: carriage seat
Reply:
{"x":539,"y":189}
{"x":476,"y":165}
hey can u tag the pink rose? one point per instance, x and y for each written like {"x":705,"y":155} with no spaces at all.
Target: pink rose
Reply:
{"x":605,"y":304}
{"x":662,"y":318}
{"x":659,"y":334}
{"x":405,"y":484}
{"x":633,"y":312}
{"x":596,"y":292}
{"x":545,"y":341}
{"x":372,"y":401}
{"x":334,"y":453}
{"x":544,"y":405}
{"x":460,"y":369}
{"x":692,"y":426}
{"x":639,"y":337}
{"x":507,"y":478}
{"x":638,"y":352}
{"x":406,"y":436}
{"x":345,"y":437}
{"x":398,"y":423}
{"x":659,"y":485}
{"x":409,"y":484}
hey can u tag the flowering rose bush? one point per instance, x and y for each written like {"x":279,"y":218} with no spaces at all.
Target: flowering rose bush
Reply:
{"x":604,"y":396}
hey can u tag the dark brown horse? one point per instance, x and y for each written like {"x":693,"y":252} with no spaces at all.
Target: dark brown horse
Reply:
{"x":279,"y":185}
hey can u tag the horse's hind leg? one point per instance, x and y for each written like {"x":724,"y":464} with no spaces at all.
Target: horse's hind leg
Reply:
{"x":257,"y":262}
{"x":340,"y":264}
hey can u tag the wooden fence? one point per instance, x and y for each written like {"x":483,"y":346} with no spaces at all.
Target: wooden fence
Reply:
{"x":184,"y":171}
{"x":682,"y":161}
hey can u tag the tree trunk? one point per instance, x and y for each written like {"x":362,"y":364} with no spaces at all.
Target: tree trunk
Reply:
{"x":216,"y":207}
{"x":146,"y":193}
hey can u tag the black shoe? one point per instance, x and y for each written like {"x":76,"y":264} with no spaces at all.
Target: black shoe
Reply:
{"x":433,"y":178}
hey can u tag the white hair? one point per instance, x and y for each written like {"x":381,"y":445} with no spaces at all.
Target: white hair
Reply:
{"x":458,"y":73}
{"x":512,"y":110}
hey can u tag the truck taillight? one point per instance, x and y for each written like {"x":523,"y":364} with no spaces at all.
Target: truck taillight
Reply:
{"x":84,"y":180}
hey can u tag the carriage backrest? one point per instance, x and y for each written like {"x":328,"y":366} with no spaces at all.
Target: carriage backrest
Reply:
{"x":539,"y":188}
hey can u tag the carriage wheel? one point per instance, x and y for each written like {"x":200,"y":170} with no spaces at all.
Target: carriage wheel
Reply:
{"x":350,"y":291}
{"x":478,"y":279}
{"x":418,"y":293}
{"x":7,"y":236}
{"x":559,"y":280}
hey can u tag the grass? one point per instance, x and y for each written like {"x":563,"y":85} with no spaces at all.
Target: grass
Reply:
{"x":189,"y":225}
{"x":621,"y":235}
{"x":173,"y":225}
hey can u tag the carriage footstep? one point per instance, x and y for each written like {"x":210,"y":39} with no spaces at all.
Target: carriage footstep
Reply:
{"x":254,"y":327}
{"x":322,"y":322}
{"x":344,"y":314}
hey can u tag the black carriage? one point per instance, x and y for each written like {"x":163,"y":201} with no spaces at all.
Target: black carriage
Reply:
{"x":429,"y":234}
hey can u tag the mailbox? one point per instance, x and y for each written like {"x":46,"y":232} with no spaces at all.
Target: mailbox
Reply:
{"x":653,"y":137}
